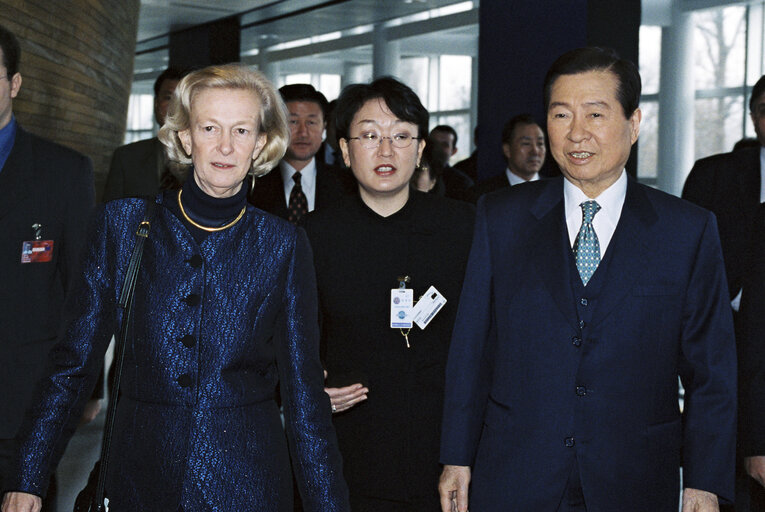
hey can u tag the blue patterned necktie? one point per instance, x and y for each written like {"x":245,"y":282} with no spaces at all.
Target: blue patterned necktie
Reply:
{"x":586,"y":246}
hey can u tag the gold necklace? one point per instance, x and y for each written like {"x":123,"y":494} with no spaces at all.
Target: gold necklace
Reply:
{"x":211,"y":230}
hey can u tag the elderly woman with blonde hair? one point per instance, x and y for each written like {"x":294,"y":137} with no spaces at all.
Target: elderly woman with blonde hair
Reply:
{"x":224,"y":308}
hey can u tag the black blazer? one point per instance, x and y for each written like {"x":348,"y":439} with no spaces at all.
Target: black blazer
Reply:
{"x":728,"y":184}
{"x":268,"y":192}
{"x":134,"y":170}
{"x":752,"y":347}
{"x":497,"y":182}
{"x":40,"y":183}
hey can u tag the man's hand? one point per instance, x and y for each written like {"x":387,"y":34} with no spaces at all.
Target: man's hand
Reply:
{"x":453,"y":488}
{"x":696,"y":500}
{"x":755,"y":467}
{"x":92,"y":409}
{"x":343,"y":399}
{"x":21,"y":502}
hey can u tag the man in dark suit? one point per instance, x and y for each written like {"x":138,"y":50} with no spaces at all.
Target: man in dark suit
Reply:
{"x":142,"y":168}
{"x":523,"y":144}
{"x":585,"y":297}
{"x":443,"y":145}
{"x":302,"y":182}
{"x":46,"y":193}
{"x":730,"y":185}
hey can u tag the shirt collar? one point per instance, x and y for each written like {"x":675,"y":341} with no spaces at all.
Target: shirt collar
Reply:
{"x":307,"y":174}
{"x":514,"y":179}
{"x":610,"y":200}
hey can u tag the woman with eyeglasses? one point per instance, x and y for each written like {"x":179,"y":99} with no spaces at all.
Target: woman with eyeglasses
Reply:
{"x":374,"y":253}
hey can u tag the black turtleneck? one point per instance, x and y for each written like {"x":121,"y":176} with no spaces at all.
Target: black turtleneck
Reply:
{"x":203,"y":208}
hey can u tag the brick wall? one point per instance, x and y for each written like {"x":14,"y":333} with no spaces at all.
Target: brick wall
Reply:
{"x":76,"y":68}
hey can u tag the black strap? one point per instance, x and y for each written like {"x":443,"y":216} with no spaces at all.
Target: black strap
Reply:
{"x":126,"y":303}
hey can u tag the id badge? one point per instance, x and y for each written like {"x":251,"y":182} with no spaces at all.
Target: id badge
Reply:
{"x":36,"y":251}
{"x":401,"y":301}
{"x":427,"y":307}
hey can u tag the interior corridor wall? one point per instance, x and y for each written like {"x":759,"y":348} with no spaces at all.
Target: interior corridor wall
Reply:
{"x":77,"y":69}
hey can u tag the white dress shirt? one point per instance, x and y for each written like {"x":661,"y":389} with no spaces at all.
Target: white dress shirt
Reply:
{"x":514,"y":179}
{"x":611,"y":201}
{"x":307,"y":181}
{"x":762,"y":174}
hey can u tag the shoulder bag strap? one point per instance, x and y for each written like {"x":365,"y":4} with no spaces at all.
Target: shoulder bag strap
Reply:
{"x":126,"y":303}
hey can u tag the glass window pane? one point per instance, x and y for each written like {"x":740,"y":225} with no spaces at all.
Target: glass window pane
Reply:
{"x":719,"y":42}
{"x":414,"y":72}
{"x":461,"y":125}
{"x":718,"y":125}
{"x":329,"y":85}
{"x":650,"y":58}
{"x":454,"y":82}
{"x":297,"y":78}
{"x":648,"y":143}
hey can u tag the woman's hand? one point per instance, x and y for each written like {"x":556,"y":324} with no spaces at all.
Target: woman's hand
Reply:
{"x":343,"y":399}
{"x":21,"y":502}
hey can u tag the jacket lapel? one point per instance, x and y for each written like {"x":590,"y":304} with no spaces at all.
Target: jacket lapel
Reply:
{"x":16,"y":176}
{"x":550,"y":252}
{"x":629,"y":251}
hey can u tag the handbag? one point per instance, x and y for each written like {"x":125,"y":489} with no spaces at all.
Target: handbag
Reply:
{"x":92,"y":498}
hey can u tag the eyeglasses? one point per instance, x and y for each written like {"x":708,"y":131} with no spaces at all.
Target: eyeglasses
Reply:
{"x":373,"y":140}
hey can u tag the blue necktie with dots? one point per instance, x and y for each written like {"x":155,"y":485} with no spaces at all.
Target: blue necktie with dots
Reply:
{"x":586,"y":246}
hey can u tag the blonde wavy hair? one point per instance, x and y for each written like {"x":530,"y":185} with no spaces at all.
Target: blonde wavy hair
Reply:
{"x":273,"y":112}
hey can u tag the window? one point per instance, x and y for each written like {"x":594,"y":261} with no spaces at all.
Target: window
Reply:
{"x":648,"y":143}
{"x":140,"y":118}
{"x":719,"y":41}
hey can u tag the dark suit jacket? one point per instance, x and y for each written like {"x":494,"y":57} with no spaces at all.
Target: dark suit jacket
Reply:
{"x":268,"y":193}
{"x":728,"y":185}
{"x":529,"y":392}
{"x":43,"y":183}
{"x":497,"y":182}
{"x":134,"y":170}
{"x":457,"y":183}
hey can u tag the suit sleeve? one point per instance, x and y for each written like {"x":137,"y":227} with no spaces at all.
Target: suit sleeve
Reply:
{"x":307,"y":411}
{"x":708,"y":373}
{"x":752,"y":371}
{"x":468,"y":369}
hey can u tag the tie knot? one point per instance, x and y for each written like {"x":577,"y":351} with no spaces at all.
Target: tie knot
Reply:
{"x":296,"y":177}
{"x":589,"y":209}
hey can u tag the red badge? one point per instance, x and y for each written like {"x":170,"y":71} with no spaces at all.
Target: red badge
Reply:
{"x":36,"y":251}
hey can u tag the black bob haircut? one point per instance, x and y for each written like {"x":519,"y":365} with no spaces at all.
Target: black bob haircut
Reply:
{"x":593,"y":58}
{"x":400,"y":99}
{"x":11,"y":51}
{"x":307,"y":93}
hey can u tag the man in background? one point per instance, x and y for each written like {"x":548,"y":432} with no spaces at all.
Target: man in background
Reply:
{"x":301,"y":183}
{"x":731,"y":185}
{"x":46,"y":194}
{"x":523,"y":145}
{"x":443,"y":142}
{"x":142,"y":168}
